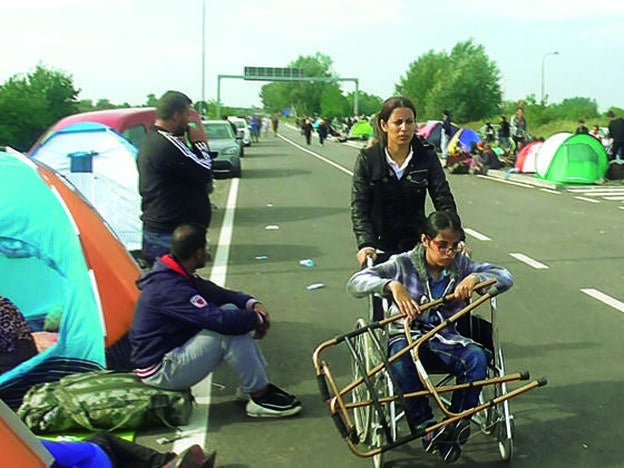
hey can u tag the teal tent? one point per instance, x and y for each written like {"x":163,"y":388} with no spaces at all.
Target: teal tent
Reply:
{"x":42,"y":269}
{"x":571,"y":159}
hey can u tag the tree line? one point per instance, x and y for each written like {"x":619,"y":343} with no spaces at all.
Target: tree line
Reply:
{"x":465,"y":81}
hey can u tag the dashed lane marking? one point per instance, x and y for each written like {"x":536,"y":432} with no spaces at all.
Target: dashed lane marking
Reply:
{"x":477,"y":235}
{"x":602,"y":297}
{"x":529,"y":261}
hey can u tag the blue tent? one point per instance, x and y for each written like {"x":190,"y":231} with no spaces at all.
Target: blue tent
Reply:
{"x":43,"y":269}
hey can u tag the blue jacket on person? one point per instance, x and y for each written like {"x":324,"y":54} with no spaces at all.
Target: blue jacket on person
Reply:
{"x":174,"y":306}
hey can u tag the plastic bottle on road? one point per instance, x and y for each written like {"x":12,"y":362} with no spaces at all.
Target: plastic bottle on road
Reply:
{"x":306,"y":262}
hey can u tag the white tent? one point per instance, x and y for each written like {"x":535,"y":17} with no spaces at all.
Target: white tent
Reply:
{"x":102,"y":165}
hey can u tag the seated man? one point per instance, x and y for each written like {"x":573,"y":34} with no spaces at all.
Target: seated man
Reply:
{"x":185,"y":326}
{"x":433,"y":269}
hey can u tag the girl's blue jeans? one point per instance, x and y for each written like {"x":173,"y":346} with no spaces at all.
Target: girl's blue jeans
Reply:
{"x":467,"y":363}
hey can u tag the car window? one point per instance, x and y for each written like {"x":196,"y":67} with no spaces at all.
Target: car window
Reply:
{"x":218,"y":132}
{"x":135,"y":135}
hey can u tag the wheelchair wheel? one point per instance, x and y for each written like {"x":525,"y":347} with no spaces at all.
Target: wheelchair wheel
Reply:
{"x":362,"y":415}
{"x":505,"y":434}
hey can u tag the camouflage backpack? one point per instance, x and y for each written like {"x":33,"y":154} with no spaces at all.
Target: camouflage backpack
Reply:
{"x":102,"y":400}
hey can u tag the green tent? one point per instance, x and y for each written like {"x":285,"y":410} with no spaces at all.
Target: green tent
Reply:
{"x":361,"y":129}
{"x":571,"y":159}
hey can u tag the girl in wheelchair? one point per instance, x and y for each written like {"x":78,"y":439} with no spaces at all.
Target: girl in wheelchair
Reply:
{"x":433,"y":269}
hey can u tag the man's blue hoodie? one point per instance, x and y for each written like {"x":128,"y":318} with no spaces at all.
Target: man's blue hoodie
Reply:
{"x":174,"y":306}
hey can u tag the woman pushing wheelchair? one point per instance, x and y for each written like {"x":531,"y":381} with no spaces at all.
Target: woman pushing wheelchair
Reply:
{"x":432,"y":270}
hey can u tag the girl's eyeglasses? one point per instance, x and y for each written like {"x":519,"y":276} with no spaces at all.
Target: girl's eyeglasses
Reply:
{"x":445,"y":247}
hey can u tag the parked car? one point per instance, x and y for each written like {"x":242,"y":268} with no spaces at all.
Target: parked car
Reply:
{"x":133,"y":122}
{"x":221,"y":138}
{"x":243,"y":129}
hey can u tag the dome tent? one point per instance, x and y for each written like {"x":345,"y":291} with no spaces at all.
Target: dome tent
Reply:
{"x":527,"y":157}
{"x":57,"y":254}
{"x":102,"y":165}
{"x":571,"y":159}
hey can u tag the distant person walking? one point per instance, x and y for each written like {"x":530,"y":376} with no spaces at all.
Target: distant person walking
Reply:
{"x":616,"y":132}
{"x":174,"y":180}
{"x":307,"y":130}
{"x":322,"y":131}
{"x":445,"y":135}
{"x":275,"y":123}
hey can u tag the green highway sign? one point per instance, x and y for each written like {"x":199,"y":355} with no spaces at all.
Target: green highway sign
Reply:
{"x":272,"y":73}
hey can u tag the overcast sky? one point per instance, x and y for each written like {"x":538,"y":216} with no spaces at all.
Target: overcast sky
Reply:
{"x":122,"y":50}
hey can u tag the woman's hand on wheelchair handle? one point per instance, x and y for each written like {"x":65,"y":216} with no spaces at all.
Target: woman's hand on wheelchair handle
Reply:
{"x":407,"y":306}
{"x":364,"y":254}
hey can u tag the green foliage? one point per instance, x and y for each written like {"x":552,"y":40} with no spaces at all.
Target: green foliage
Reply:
{"x":368,"y":104}
{"x":466,"y":82}
{"x":31,"y":104}
{"x":333,"y":103}
{"x":318,"y":97}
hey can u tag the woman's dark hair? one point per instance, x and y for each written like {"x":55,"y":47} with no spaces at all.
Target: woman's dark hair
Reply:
{"x":187,"y":239}
{"x":388,"y":106}
{"x":441,"y":221}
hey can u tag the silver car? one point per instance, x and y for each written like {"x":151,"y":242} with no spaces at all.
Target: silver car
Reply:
{"x":222,"y":140}
{"x":243,"y":129}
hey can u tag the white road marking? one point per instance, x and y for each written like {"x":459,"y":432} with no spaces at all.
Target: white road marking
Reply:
{"x":510,"y":182}
{"x":602,"y":297}
{"x":477,"y":235}
{"x":547,"y":190}
{"x":591,"y":200}
{"x":614,"y":198}
{"x":318,"y":156}
{"x":529,"y":261}
{"x":197,"y":429}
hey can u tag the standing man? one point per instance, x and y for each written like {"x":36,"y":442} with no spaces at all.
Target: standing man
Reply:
{"x":445,"y":135}
{"x":519,"y":130}
{"x":185,"y":326}
{"x":616,"y":131}
{"x":503,"y":133}
{"x":174,"y":180}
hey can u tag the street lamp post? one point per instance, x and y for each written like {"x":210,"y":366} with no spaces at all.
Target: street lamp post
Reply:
{"x":543,"y":63}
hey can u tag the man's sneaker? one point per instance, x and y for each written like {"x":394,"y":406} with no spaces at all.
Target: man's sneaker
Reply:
{"x":275,"y":403}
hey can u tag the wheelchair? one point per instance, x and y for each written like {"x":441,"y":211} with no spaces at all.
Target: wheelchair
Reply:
{"x":367,"y":408}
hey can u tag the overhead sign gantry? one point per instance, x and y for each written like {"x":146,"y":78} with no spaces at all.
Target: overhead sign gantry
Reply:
{"x":283,"y":74}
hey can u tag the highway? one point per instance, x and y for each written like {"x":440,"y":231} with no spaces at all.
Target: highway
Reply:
{"x":562,"y":320}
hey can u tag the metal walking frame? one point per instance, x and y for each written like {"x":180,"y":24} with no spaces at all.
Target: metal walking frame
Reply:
{"x":366,"y":411}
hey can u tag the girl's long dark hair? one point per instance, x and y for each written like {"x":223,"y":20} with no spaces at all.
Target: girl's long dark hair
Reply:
{"x":441,"y":221}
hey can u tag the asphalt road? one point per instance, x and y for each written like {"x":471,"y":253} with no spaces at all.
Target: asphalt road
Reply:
{"x":563,"y":319}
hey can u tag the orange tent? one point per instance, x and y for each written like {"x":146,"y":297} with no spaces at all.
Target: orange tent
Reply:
{"x":115,"y":270}
{"x":58,"y":255}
